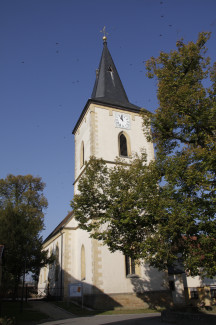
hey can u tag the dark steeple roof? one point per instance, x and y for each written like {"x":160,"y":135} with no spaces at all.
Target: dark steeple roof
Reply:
{"x":108,"y":87}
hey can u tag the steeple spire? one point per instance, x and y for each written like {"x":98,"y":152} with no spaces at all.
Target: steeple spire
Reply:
{"x":108,"y":87}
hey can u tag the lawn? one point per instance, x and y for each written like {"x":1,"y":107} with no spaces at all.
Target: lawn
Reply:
{"x":78,"y":311}
{"x":11,"y":311}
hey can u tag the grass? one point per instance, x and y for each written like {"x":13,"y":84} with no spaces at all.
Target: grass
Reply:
{"x":78,"y":311}
{"x":11,"y":311}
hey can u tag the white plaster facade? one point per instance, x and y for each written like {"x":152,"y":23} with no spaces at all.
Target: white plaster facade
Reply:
{"x":98,"y":132}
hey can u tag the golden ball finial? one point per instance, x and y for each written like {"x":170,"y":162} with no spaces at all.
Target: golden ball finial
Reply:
{"x":105,"y":33}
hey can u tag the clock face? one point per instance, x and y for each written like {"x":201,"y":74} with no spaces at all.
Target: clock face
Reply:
{"x":122,"y":120}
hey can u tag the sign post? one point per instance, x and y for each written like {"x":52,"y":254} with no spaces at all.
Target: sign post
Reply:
{"x":76,"y":290}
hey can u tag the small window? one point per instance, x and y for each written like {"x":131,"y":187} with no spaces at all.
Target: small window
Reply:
{"x":172,"y":285}
{"x":110,"y":69}
{"x":123,"y":145}
{"x":213,"y":292}
{"x":130,"y":266}
{"x":82,"y":155}
{"x":193,"y":293}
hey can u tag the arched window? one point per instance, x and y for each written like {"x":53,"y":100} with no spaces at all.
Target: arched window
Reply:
{"x":83,"y":263}
{"x":57,"y":265}
{"x":82,"y":159}
{"x":131,"y":267}
{"x":124,"y":145}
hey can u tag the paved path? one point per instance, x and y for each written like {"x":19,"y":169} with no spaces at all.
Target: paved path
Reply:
{"x":58,"y":316}
{"x":53,"y":311}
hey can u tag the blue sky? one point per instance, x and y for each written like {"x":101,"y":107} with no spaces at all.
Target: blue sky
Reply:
{"x":49,"y":52}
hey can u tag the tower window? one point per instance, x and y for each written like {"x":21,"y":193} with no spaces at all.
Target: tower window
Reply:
{"x":123,"y":145}
{"x":110,"y":69}
{"x":82,"y":156}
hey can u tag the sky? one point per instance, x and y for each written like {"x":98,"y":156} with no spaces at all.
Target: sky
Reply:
{"x":49,"y":52}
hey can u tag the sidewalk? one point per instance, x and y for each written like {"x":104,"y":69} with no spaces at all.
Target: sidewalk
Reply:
{"x":54,"y":312}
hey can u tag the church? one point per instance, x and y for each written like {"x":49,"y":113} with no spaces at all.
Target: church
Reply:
{"x":109,"y":126}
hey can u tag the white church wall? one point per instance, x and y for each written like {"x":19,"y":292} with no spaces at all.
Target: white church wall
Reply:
{"x":116,"y":281}
{"x":196,"y":282}
{"x":50,"y":275}
{"x":79,"y":238}
{"x":83,"y":239}
{"x":107,"y":134}
{"x":154,"y":279}
{"x":82,"y":134}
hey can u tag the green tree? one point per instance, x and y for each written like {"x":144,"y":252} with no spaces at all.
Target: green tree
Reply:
{"x":164,"y":211}
{"x":21,"y":217}
{"x":183,"y":129}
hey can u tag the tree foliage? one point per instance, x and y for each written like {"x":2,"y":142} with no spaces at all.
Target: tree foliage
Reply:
{"x":21,"y":217}
{"x":184,"y":132}
{"x":165,"y":210}
{"x":111,"y":200}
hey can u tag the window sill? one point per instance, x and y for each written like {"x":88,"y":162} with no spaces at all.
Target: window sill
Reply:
{"x":133,"y":276}
{"x":128,"y":157}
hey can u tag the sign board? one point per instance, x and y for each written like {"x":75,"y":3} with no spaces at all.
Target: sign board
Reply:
{"x":75,"y":289}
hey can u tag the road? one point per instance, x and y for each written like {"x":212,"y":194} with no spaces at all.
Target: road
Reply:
{"x":144,"y":319}
{"x":59,"y":316}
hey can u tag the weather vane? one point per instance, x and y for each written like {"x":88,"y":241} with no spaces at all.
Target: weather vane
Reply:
{"x":105,"y":33}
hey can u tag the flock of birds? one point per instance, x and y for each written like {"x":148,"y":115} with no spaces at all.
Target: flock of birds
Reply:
{"x":162,"y":16}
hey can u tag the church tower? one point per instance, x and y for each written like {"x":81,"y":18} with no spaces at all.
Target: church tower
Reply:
{"x":109,"y":125}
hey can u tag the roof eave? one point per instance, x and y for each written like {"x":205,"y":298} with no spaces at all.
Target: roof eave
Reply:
{"x":106,"y":103}
{"x":60,"y":226}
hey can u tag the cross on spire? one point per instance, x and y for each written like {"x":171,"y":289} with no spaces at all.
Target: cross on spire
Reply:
{"x":105,"y":33}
